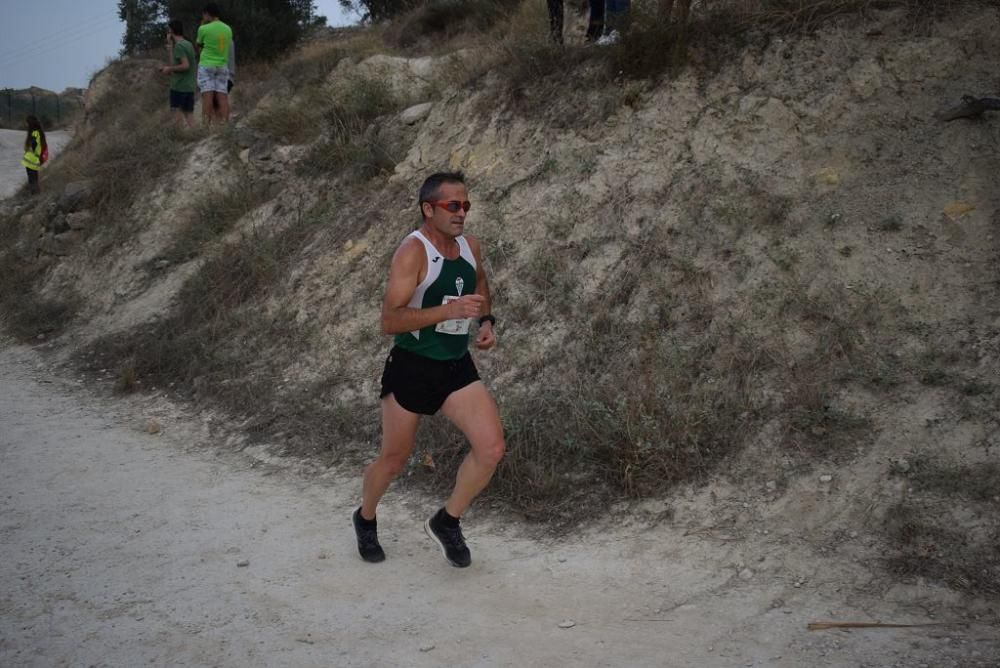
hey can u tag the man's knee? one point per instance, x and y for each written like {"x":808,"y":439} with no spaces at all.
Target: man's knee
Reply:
{"x":492,"y":451}
{"x":393,"y":464}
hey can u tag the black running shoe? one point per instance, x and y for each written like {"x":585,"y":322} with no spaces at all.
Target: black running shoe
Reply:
{"x":451,"y":542}
{"x":368,"y":545}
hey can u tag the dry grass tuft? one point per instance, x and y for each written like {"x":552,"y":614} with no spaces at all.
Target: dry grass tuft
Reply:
{"x":292,"y":120}
{"x":980,"y":483}
{"x":444,"y":20}
{"x":212,"y":216}
{"x":927,"y":545}
{"x":923,"y":527}
{"x":217,"y":331}
{"x":807,"y":15}
{"x":25,"y":312}
{"x":352,"y":143}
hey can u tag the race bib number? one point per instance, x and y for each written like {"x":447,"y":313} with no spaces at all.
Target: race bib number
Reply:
{"x":456,"y":327}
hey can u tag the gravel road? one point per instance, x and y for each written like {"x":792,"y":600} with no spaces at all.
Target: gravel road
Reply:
{"x":122,"y":547}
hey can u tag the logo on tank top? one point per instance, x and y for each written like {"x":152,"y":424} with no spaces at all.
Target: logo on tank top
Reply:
{"x":436,"y":259}
{"x":458,"y":326}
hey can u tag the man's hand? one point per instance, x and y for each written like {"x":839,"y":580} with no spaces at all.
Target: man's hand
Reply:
{"x":166,"y":69}
{"x":469,"y":306}
{"x":486,"y":339}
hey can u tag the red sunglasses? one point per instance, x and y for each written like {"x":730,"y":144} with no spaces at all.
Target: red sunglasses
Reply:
{"x":452,"y":205}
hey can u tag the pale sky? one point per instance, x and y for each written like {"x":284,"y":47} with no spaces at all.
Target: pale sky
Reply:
{"x":55,"y":44}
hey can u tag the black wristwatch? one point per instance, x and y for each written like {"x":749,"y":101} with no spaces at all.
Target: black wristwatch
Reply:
{"x":490,"y":318}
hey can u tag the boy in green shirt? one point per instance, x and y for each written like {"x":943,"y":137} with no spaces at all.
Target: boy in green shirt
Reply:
{"x":214,"y":38}
{"x":182,"y":74}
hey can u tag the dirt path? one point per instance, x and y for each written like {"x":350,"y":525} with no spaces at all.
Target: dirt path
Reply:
{"x":12,"y":174}
{"x":121,"y":548}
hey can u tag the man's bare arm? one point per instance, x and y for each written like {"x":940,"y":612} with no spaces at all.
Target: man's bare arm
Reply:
{"x":397,"y":316}
{"x":183,"y":66}
{"x":485,"y":338}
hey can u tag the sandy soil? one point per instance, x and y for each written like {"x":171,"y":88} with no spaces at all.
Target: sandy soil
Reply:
{"x":122,"y":547}
{"x":12,"y":174}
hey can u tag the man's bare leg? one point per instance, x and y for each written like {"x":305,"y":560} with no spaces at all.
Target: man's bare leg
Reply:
{"x":207,"y":107}
{"x":183,"y":119}
{"x":473,"y":410}
{"x":223,"y":100}
{"x":399,"y":431}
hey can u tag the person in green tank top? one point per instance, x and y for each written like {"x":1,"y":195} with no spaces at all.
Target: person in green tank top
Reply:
{"x":437,"y":290}
{"x":182,"y":74}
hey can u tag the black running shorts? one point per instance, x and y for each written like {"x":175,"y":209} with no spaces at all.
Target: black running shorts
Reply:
{"x":182,"y":101}
{"x":420,"y":384}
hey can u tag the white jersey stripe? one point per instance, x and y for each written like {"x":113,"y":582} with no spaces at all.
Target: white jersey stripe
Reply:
{"x":433,"y":271}
{"x":434,"y":263}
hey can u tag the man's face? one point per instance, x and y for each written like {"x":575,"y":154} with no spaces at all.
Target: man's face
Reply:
{"x":448,"y":223}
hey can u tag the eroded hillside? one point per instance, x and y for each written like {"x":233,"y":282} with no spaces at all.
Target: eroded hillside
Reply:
{"x":767,"y":275}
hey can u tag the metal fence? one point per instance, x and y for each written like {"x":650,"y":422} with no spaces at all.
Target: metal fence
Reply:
{"x":52,"y":109}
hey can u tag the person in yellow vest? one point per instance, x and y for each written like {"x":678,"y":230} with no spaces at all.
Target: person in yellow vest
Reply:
{"x":214,"y":38}
{"x":34,"y":146}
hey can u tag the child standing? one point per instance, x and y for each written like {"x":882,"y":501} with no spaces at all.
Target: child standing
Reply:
{"x":34,"y":146}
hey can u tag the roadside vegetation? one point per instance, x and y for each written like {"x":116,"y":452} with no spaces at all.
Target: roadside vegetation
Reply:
{"x":25,"y":312}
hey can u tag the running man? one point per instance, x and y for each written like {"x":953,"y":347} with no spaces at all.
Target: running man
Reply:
{"x":437,"y":286}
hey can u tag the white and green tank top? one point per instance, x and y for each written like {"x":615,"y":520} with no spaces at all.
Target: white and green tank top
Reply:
{"x":446,"y":281}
